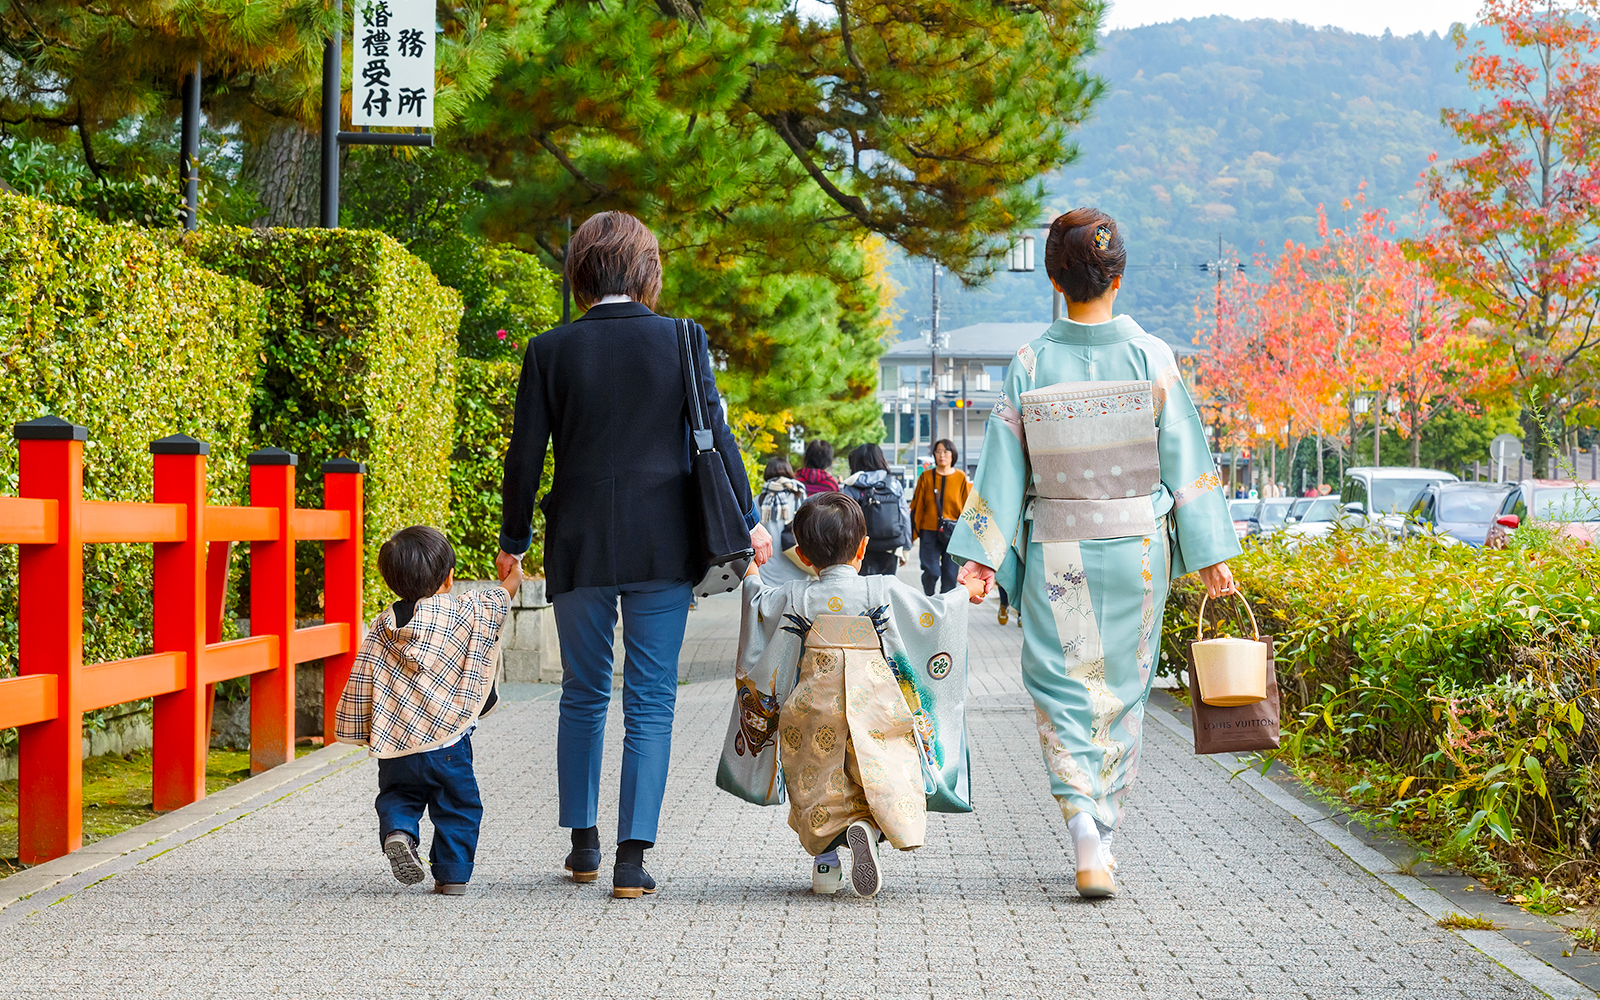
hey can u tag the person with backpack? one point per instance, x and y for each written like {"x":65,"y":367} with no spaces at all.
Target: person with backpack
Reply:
{"x":882,"y":499}
{"x":779,"y":501}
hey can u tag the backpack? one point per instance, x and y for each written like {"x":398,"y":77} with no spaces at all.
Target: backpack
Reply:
{"x":886,"y":527}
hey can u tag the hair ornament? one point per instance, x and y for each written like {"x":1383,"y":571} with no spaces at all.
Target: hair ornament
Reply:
{"x":1102,"y":237}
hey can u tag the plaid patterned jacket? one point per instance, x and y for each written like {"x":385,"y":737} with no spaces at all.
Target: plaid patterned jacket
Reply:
{"x":418,"y":686}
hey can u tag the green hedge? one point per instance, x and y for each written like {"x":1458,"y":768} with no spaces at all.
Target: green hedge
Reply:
{"x":358,"y":360}
{"x":486,"y":392}
{"x":108,"y":327}
{"x":1452,"y":691}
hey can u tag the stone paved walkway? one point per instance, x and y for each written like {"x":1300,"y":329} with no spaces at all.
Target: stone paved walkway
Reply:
{"x":1224,"y":894}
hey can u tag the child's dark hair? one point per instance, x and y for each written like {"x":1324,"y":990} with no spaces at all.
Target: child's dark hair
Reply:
{"x":779,"y":468}
{"x":1083,"y":253}
{"x":828,"y":529}
{"x":416,"y":561}
{"x":819,"y":454}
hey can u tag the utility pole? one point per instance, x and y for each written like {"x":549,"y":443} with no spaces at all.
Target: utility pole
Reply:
{"x":189,"y":149}
{"x":933,"y":371}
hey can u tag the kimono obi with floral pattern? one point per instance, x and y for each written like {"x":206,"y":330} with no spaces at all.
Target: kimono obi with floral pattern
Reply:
{"x":838,"y":631}
{"x":1096,"y":470}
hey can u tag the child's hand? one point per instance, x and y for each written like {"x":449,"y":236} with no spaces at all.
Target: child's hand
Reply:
{"x":752,"y":570}
{"x":977,"y":589}
{"x":513,"y":578}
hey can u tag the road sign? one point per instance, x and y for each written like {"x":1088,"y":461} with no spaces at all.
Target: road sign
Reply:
{"x":1505,"y":448}
{"x":393,"y":79}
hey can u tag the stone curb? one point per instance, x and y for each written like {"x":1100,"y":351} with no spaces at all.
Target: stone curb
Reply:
{"x":1535,"y":971}
{"x":175,"y":828}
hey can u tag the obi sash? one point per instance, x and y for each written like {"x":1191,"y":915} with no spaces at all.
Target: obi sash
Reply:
{"x":1096,"y":469}
{"x":838,"y":631}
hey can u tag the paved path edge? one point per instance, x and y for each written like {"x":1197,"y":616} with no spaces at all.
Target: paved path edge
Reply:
{"x":175,"y":828}
{"x":1530,"y":968}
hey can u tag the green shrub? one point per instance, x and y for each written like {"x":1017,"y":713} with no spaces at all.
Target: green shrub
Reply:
{"x":358,"y":359}
{"x":109,"y":328}
{"x":1457,"y":690}
{"x":485,"y":394}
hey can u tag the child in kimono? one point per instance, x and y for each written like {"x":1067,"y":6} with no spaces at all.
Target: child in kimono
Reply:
{"x":857,"y":754}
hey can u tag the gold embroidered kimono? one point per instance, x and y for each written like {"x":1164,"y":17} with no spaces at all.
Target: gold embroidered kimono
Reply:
{"x":847,"y":742}
{"x":843,"y":682}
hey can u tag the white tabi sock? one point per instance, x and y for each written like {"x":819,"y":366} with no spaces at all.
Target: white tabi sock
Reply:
{"x":1086,"y":837}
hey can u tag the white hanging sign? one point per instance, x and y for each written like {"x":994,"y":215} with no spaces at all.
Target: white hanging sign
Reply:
{"x":393,"y":79}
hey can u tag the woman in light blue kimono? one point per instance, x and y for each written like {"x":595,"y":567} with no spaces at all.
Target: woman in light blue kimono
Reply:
{"x":1096,"y":487}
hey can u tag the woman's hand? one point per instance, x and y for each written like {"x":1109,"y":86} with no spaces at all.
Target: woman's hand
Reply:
{"x":979,"y":573}
{"x":1218,"y":580}
{"x":762,"y":543}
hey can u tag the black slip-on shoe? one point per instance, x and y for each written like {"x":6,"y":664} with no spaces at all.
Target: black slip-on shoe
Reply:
{"x":404,"y":861}
{"x":584,"y":864}
{"x":630,"y":881}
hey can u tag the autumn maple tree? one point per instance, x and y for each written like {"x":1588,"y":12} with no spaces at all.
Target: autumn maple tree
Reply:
{"x":1518,"y":244}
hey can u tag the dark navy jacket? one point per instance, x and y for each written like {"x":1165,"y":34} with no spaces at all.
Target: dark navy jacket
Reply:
{"x":607,"y":391}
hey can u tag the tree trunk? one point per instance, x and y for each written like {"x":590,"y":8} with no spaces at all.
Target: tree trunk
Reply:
{"x":285,"y":167}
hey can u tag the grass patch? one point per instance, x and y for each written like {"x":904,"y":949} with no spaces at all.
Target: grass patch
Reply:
{"x":117,"y":795}
{"x":1461,"y":922}
{"x":1587,"y":937}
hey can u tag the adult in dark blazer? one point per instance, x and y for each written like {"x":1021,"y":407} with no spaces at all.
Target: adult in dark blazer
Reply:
{"x":620,"y":525}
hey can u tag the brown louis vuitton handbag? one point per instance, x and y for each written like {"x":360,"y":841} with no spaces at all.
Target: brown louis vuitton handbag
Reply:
{"x":1236,"y":728}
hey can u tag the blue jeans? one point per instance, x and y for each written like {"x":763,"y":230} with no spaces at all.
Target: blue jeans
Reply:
{"x":443,"y":782}
{"x":654,"y":615}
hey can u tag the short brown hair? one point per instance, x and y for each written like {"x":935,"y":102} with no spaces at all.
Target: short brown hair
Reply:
{"x":828,"y":529}
{"x":1083,"y":253}
{"x":613,"y":253}
{"x":416,"y":561}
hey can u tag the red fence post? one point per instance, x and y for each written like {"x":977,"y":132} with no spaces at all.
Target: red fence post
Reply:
{"x":178,"y":759}
{"x":341,"y":592}
{"x":272,"y":611}
{"x":50,"y":620}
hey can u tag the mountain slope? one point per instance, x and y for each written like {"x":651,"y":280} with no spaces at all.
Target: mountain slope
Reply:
{"x":1219,"y":127}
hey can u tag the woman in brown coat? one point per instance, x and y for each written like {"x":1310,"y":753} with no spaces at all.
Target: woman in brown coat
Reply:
{"x":940,"y":495}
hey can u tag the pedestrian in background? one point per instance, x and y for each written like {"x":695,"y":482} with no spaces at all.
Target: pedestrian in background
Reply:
{"x":815,"y":474}
{"x":779,"y":501}
{"x":940,"y":495}
{"x":883,"y":503}
{"x":1096,"y":484}
{"x":608,"y":391}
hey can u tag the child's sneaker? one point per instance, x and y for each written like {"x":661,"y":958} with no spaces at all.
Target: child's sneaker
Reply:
{"x":827,"y":877}
{"x":865,"y":878}
{"x":404,"y":861}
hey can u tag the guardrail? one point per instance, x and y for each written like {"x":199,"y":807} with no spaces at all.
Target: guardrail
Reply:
{"x":50,"y":522}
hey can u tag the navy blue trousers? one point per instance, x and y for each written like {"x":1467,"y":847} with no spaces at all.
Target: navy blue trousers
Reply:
{"x":654,"y":615}
{"x":938,"y":569}
{"x":442,"y":782}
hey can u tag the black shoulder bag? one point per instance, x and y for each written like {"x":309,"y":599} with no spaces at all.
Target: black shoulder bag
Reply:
{"x":947,"y":527}
{"x":724,"y":541}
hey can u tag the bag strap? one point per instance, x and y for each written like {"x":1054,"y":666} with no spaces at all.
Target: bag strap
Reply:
{"x":1200,"y":618}
{"x":940,"y":512}
{"x":691,"y":384}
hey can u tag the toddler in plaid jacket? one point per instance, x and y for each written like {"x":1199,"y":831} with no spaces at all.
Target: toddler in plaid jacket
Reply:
{"x":423,"y":677}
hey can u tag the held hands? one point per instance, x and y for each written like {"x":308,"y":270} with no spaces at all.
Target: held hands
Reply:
{"x":509,"y":569}
{"x":1218,"y":580}
{"x":978,"y":579}
{"x":762,"y":543}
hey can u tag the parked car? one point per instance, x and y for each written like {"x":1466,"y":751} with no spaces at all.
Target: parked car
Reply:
{"x":1570,"y":505}
{"x":1271,"y":516}
{"x":1242,"y":511}
{"x":1460,"y":512}
{"x":1378,"y":496}
{"x":1313,"y":517}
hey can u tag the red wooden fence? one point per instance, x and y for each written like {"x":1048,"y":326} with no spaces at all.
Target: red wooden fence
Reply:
{"x":51,"y":522}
